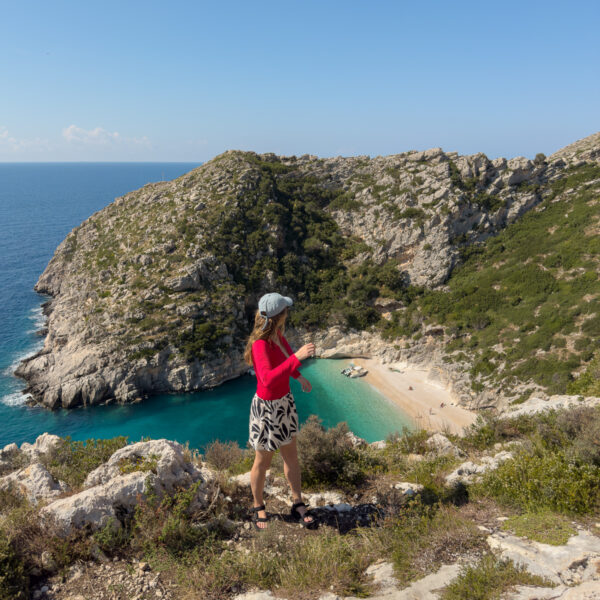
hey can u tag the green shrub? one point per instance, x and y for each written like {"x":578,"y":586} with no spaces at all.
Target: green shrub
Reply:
{"x":138,"y":463}
{"x":427,"y":536}
{"x":548,"y":480}
{"x":544,"y":527}
{"x":10,"y":498}
{"x":112,"y":537}
{"x":327,"y":455}
{"x":223,"y":455}
{"x":71,"y":461}
{"x":489,"y":579}
{"x":14,"y":583}
{"x":167,"y":523}
{"x":588,"y":383}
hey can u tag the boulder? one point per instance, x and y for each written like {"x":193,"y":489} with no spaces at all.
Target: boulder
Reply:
{"x":34,"y":482}
{"x":357,"y":442}
{"x":408,"y":488}
{"x":468,"y":472}
{"x":97,"y":505}
{"x":44,"y":444}
{"x":9,"y":458}
{"x":378,"y":445}
{"x":163,"y":457}
{"x":113,"y":488}
{"x":442,"y":445}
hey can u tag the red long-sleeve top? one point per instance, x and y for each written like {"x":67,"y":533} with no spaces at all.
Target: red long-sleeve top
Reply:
{"x":273,"y":369}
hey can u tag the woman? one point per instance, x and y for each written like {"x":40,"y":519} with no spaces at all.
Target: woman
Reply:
{"x":273,"y":415}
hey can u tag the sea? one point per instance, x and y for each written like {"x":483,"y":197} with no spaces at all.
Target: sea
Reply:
{"x":39,"y":204}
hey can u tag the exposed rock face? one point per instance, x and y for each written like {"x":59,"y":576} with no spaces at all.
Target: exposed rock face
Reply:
{"x":469,"y":471}
{"x":96,"y":506}
{"x":44,"y":444}
{"x":12,"y":457}
{"x":112,"y":492}
{"x":34,"y":482}
{"x":134,"y":277}
{"x":165,"y":458}
{"x":536,"y":404}
{"x":442,"y":445}
{"x":576,"y":562}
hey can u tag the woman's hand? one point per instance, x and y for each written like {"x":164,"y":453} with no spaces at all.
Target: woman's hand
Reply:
{"x":306,"y":351}
{"x":306,"y":387}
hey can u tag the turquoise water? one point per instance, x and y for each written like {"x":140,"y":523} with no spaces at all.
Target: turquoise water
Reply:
{"x":221,"y":413}
{"x":39,"y":205}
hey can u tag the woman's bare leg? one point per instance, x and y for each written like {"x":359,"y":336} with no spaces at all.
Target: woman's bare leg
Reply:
{"x":291,"y":468}
{"x":258,"y":474}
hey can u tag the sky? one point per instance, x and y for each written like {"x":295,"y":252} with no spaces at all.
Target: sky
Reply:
{"x":186,"y":81}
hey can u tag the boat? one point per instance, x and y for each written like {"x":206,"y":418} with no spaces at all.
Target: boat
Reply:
{"x":251,"y":372}
{"x":354,"y":371}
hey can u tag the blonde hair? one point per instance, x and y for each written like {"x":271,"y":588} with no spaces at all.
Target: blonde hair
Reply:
{"x":274,"y":323}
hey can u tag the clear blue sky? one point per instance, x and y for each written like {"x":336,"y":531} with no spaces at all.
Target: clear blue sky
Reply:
{"x":185,"y":81}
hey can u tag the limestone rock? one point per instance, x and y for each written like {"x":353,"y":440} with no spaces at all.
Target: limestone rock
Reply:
{"x":34,"y":482}
{"x":442,"y":445}
{"x":378,"y":445}
{"x":576,"y":562}
{"x":44,"y":444}
{"x":327,"y":498}
{"x":357,"y":442}
{"x":469,"y":471}
{"x":9,"y":458}
{"x":408,"y":488}
{"x":97,"y":505}
{"x":112,"y":492}
{"x":536,"y":404}
{"x":164,"y":457}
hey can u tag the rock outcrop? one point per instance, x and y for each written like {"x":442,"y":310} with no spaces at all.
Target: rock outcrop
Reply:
{"x":114,"y":488}
{"x":578,"y":561}
{"x":34,"y":482}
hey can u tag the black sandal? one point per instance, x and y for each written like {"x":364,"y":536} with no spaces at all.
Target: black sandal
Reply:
{"x":256,"y":519}
{"x":296,"y":515}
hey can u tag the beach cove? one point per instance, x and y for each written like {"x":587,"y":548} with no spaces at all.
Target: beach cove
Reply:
{"x":428,"y":405}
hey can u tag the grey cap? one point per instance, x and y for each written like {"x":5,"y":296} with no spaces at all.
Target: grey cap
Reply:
{"x":272,"y":304}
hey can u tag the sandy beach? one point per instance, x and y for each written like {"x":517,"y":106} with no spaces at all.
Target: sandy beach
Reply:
{"x":422,"y":403}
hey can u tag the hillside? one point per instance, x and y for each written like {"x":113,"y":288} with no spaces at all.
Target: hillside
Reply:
{"x":473,"y":267}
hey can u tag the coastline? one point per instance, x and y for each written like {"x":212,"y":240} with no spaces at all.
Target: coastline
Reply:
{"x":422,"y":403}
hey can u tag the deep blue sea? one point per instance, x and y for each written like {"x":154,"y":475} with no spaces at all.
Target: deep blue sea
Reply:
{"x":39,"y":204}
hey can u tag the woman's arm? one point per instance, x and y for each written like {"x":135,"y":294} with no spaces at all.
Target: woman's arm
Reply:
{"x":265,"y":373}
{"x":295,"y":372}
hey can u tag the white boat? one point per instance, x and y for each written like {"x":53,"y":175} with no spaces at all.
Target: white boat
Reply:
{"x":354,"y":371}
{"x":251,"y":372}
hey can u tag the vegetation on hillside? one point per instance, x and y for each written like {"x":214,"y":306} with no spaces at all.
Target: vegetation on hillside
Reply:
{"x":525,"y":305}
{"x":204,"y":554}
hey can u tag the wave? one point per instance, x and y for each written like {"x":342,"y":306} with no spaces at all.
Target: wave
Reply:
{"x":14,"y":399}
{"x":8,"y":371}
{"x":38,"y":317}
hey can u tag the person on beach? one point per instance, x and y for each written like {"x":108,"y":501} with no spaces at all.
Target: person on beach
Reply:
{"x":273,"y":415}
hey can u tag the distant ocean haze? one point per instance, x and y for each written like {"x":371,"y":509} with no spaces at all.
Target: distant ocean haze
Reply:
{"x":40,"y":203}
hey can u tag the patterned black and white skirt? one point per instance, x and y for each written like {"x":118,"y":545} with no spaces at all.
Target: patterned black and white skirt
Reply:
{"x":272,"y":422}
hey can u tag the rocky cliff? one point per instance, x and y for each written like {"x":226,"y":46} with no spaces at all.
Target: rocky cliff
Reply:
{"x":156,"y":292}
